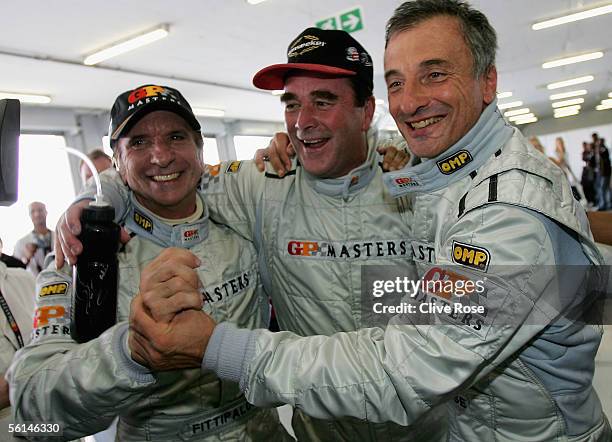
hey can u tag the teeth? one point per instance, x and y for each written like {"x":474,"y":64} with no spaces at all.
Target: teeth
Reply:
{"x":170,"y":177}
{"x":425,"y":123}
{"x":312,"y":141}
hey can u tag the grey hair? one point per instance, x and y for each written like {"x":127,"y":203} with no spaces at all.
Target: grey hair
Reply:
{"x":478,"y":33}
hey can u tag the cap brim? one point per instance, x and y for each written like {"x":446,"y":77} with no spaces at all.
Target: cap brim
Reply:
{"x":273,"y":77}
{"x":129,"y":122}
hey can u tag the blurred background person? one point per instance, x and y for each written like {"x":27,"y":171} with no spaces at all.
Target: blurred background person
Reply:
{"x":535,"y":142}
{"x":588,"y":173}
{"x":33,"y":247}
{"x":603,"y":180}
{"x":100,"y":160}
{"x":560,"y":159}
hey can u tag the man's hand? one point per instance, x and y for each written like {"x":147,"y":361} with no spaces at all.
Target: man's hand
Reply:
{"x":279,"y":153}
{"x":393,"y":158}
{"x":67,"y":245}
{"x":170,"y":284}
{"x":168,"y":329}
{"x":173,"y":345}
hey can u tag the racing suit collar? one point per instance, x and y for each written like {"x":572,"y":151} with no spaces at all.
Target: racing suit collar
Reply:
{"x":148,"y":225}
{"x":351,"y":183}
{"x":485,"y":138}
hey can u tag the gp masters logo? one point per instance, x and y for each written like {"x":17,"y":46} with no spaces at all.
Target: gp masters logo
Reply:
{"x":143,"y":221}
{"x":471,"y":256}
{"x":53,"y":289}
{"x":405,"y":181}
{"x":349,"y":250}
{"x":455,"y":162}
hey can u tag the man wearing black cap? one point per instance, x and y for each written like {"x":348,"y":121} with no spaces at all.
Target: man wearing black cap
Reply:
{"x":316,"y":226}
{"x":158,"y":153}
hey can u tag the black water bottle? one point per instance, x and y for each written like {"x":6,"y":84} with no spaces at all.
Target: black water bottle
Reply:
{"x":94,"y":305}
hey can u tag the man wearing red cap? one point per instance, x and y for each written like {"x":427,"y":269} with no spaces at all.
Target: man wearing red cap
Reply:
{"x":317,"y":226}
{"x":512,"y":357}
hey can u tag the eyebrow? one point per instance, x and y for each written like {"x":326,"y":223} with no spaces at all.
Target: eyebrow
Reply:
{"x":434,"y":62}
{"x":423,"y":64}
{"x":287,"y":96}
{"x":326,"y":95}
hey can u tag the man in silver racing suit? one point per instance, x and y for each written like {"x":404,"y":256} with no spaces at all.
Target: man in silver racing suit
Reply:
{"x":519,"y":365}
{"x":318,"y":225}
{"x":158,"y":150}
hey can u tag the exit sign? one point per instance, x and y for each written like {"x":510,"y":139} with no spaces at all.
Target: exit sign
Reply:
{"x":349,"y":21}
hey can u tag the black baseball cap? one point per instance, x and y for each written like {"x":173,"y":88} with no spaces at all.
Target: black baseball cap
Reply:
{"x":134,"y":104}
{"x":324,"y":51}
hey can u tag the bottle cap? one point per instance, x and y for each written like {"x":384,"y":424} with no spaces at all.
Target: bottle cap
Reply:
{"x":95,"y":213}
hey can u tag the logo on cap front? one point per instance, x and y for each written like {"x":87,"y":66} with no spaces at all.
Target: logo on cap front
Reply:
{"x":145,"y":92}
{"x":305,"y":44}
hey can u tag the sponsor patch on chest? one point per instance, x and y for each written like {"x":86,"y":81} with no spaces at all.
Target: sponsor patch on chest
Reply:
{"x":347,"y":250}
{"x":230,"y":288}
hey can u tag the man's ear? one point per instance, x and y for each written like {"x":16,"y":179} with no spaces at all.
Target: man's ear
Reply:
{"x":489,"y":85}
{"x":368,"y":113}
{"x":117,"y":165}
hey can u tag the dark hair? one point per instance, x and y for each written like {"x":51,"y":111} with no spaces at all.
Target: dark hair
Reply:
{"x":478,"y":33}
{"x":362,"y":92}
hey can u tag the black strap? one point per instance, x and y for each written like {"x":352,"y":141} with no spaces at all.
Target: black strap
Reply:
{"x":462,"y":205}
{"x":277,"y":177}
{"x":11,"y":320}
{"x":493,"y":188}
{"x":498,"y":153}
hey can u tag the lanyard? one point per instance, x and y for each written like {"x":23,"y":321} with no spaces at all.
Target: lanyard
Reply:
{"x":11,"y":320}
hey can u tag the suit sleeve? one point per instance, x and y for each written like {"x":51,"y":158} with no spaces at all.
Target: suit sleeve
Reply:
{"x":56,"y":380}
{"x":400,"y":372}
{"x":233,"y":192}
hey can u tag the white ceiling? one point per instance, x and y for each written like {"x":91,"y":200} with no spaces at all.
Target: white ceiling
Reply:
{"x":215,"y":47}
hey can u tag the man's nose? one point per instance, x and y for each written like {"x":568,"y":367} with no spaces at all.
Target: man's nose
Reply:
{"x":306,"y":118}
{"x":411,"y":98}
{"x":162,"y":153}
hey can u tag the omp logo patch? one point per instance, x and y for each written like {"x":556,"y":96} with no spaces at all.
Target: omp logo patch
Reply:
{"x":471,"y":256}
{"x":233,"y":167}
{"x":143,"y":221}
{"x":405,"y":182}
{"x":455,"y":162}
{"x":53,"y":289}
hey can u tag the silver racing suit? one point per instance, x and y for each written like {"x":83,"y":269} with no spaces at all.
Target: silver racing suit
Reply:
{"x":494,"y":211}
{"x":313,"y":236}
{"x":84,"y":386}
